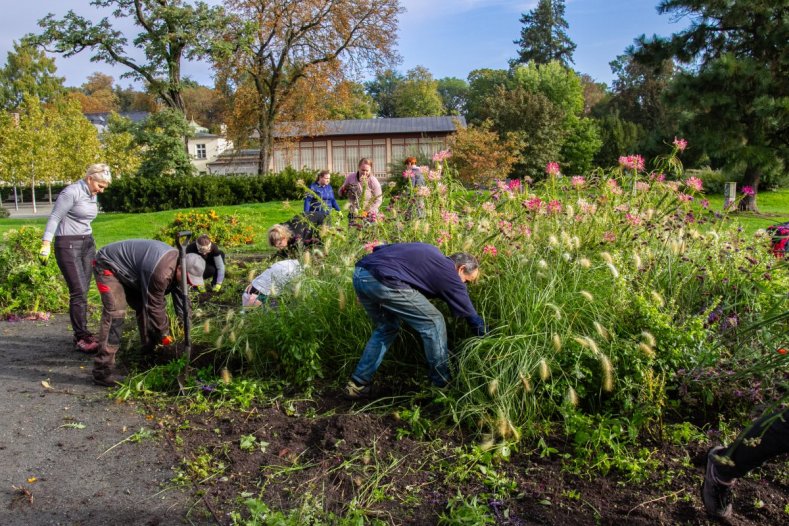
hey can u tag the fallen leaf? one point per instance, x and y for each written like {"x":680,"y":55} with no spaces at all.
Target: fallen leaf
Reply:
{"x":46,"y":385}
{"x":32,"y":480}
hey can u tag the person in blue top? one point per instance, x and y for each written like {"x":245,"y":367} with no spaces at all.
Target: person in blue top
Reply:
{"x":394,"y":285}
{"x":69,"y":225}
{"x":320,"y":199}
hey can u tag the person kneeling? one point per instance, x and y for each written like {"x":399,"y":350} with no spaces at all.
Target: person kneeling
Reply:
{"x":266,"y":286}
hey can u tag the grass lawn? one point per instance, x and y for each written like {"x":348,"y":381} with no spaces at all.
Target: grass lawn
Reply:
{"x":111,"y":227}
{"x":773,"y":208}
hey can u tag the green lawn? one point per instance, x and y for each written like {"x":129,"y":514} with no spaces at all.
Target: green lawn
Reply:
{"x":108,"y":228}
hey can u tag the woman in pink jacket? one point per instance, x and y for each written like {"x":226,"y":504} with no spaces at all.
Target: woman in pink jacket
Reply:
{"x":363,"y":191}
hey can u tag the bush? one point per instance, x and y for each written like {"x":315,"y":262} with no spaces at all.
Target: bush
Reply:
{"x":152,"y":194}
{"x":26,"y":286}
{"x":225,"y":231}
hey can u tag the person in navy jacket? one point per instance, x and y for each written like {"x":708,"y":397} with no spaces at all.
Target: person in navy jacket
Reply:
{"x":320,"y":199}
{"x":394,"y":285}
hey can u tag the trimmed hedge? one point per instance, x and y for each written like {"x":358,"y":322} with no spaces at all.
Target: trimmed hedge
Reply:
{"x":145,"y":194}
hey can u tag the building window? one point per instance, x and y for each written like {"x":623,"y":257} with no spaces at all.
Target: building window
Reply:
{"x":201,"y":153}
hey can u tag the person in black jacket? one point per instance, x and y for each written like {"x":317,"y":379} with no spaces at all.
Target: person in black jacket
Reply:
{"x":214,"y":260}
{"x":393,"y":285}
{"x":293,"y":235}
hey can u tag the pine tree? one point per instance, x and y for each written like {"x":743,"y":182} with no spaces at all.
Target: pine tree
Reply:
{"x":544,"y":35}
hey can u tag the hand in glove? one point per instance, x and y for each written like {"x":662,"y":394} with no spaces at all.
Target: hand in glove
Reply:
{"x":217,"y":287}
{"x":200,"y":288}
{"x":43,"y":255}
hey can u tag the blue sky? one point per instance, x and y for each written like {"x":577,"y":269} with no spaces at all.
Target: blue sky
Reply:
{"x":448,"y":37}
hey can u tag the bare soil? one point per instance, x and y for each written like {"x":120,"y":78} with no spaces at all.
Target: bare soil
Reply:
{"x":325,"y":447}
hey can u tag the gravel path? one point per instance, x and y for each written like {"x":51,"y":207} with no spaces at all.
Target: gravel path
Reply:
{"x":55,"y":467}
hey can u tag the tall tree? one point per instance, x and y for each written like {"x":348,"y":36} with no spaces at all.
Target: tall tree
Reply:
{"x":349,"y":100}
{"x":482,"y":83}
{"x":97,"y":94}
{"x":417,"y":95}
{"x":735,"y":91}
{"x":277,"y":45}
{"x":544,"y":35}
{"x":28,"y":71}
{"x":382,"y":89}
{"x":171,"y":31}
{"x":454,"y":95}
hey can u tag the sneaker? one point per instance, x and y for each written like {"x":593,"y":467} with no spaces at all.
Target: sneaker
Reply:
{"x":109,"y":381}
{"x":354,"y":391}
{"x":716,"y":494}
{"x":86,"y":345}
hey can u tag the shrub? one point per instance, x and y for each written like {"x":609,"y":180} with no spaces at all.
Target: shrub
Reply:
{"x":27,"y":286}
{"x":226,"y":231}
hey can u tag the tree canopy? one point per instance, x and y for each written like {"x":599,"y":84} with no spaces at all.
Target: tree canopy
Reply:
{"x":544,"y":35}
{"x":28,"y":71}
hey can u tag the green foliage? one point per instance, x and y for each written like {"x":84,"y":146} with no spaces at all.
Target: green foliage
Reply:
{"x":382,"y":90}
{"x":226,"y":231}
{"x":145,"y":194}
{"x":27,"y":286}
{"x":28,"y":71}
{"x":162,"y":139}
{"x":463,"y":511}
{"x":544,"y":35}
{"x":417,"y":95}
{"x":454,"y":95}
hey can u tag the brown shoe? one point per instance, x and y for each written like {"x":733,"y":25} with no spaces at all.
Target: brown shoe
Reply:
{"x":112,"y":380}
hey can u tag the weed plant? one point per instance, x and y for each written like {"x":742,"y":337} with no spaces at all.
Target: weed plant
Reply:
{"x":600,"y":291}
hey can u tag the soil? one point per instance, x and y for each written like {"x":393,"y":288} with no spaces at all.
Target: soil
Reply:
{"x":323,"y":447}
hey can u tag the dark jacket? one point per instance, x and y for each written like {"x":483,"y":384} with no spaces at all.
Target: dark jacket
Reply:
{"x":424,"y":268}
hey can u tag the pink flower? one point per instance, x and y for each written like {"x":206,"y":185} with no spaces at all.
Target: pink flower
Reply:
{"x":695,"y":183}
{"x":633,"y":219}
{"x":450,"y":218}
{"x":433,"y":175}
{"x":490,"y":249}
{"x":552,"y":169}
{"x":535,"y":203}
{"x":672,"y":185}
{"x":443,"y":237}
{"x":659,"y":177}
{"x":622,"y":208}
{"x":442,"y":155}
{"x":514,"y":185}
{"x":422,"y":191}
{"x":609,"y":237}
{"x":704,"y":203}
{"x":632,"y":162}
{"x":680,"y":144}
{"x":685,"y":197}
{"x":488,"y":207}
{"x":525,"y":231}
{"x":578,"y":181}
{"x":368,"y":247}
{"x":408,"y":174}
{"x":748,"y":190}
{"x":469,"y":225}
{"x":505,"y":227}
{"x":554,"y":207}
{"x":441,"y":188}
{"x":642,"y":186}
{"x":613,"y":186}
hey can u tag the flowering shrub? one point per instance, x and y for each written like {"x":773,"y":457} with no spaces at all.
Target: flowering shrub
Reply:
{"x":596,"y":297}
{"x":226,"y":231}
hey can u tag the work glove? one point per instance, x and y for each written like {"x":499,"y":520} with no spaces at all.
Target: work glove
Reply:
{"x":217,"y":287}
{"x":167,"y":340}
{"x":43,"y":255}
{"x":200,"y":288}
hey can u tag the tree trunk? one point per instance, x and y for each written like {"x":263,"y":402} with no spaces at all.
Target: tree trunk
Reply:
{"x":16,"y":199}
{"x":751,"y":178}
{"x":266,"y":147}
{"x":33,"y":194}
{"x":49,"y":191}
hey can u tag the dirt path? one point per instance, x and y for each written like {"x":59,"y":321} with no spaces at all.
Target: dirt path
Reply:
{"x":55,"y":467}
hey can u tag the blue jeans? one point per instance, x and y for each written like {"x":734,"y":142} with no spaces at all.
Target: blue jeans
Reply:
{"x":387,"y":307}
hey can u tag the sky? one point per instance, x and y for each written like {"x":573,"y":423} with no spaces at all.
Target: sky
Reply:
{"x":449,"y":37}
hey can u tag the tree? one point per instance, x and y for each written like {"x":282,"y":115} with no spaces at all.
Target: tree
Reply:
{"x":482,"y":83}
{"x":417,"y":95}
{"x":480,"y":155}
{"x":278,"y":47}
{"x":77,"y":141}
{"x":206,"y":106}
{"x":28,"y":71}
{"x":454,"y":94}
{"x":96,"y":94}
{"x":171,"y":31}
{"x":119,"y":149}
{"x":382,"y":90}
{"x":130,"y":99}
{"x":349,"y":100}
{"x":36,"y":152}
{"x":735,"y":90}
{"x":543,"y":36}
{"x":160,"y":138}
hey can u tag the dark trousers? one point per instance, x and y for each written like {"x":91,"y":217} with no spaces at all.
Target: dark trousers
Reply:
{"x":210,"y":267}
{"x":767,"y":438}
{"x":74,"y":256}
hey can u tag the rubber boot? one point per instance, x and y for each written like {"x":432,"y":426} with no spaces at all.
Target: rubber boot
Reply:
{"x":104,"y":373}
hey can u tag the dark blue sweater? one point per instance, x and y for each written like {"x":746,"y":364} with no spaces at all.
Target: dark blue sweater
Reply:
{"x":423,"y":267}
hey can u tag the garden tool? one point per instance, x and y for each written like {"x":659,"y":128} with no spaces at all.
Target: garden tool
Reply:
{"x":183,"y":377}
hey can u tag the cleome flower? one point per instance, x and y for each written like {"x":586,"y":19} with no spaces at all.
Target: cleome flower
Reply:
{"x":553,"y":169}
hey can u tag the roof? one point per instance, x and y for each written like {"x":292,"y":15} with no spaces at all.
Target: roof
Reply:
{"x":100,"y":118}
{"x":383,"y":126}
